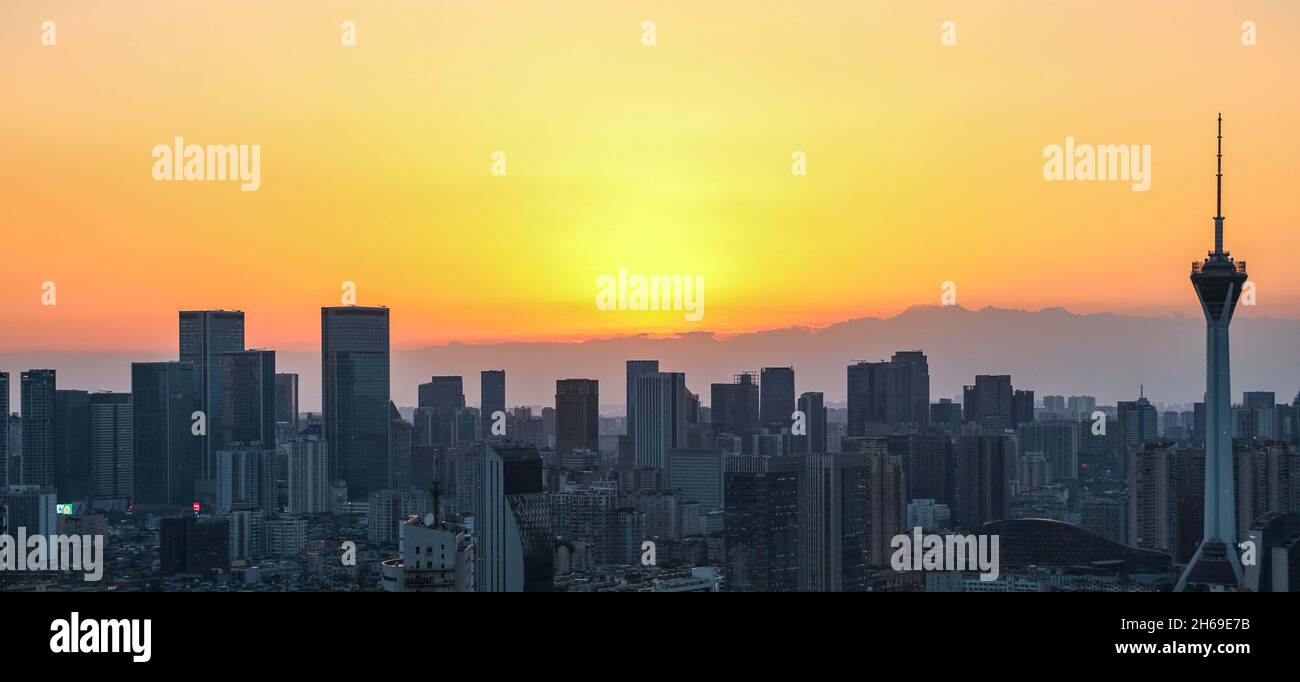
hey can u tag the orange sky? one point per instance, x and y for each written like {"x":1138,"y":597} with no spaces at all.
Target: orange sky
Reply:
{"x":924,"y":161}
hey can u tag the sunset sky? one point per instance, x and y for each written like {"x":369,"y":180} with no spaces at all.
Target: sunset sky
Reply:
{"x":924,"y":162}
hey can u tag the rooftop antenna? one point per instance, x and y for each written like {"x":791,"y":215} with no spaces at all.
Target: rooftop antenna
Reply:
{"x":1218,"y":195}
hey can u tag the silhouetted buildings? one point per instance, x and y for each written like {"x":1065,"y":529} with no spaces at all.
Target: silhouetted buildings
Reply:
{"x":776,"y":403}
{"x":194,"y":547}
{"x":492,"y":391}
{"x":168,"y":454}
{"x":286,"y":401}
{"x":813,"y":440}
{"x":734,"y":409}
{"x":38,"y":427}
{"x":761,"y":530}
{"x":72,"y":460}
{"x":204,"y":336}
{"x":833,"y":523}
{"x":577,"y":415}
{"x":354,"y":391}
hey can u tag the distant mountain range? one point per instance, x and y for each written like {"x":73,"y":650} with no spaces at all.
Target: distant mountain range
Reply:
{"x":1050,"y":351}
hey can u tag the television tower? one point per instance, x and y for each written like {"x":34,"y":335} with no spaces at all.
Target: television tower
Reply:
{"x":1218,"y":281}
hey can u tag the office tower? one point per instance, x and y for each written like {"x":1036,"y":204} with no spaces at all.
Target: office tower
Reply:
{"x":761,"y":530}
{"x":698,"y":474}
{"x":984,"y":469}
{"x":734,"y":408}
{"x":945,"y":414}
{"x":32,"y":507}
{"x":189,"y":546}
{"x":168,"y":455}
{"x":72,"y":465}
{"x":441,"y":402}
{"x":286,"y":401}
{"x":308,"y":472}
{"x":38,"y":427}
{"x":515,"y":546}
{"x":1058,"y":441}
{"x":577,"y":415}
{"x":354,"y":391}
{"x":1054,"y":405}
{"x":247,"y":399}
{"x":492,"y":398}
{"x":400,"y":441}
{"x":909,"y":392}
{"x":1137,"y":422}
{"x":833,"y":506}
{"x":4,"y":430}
{"x":886,"y":499}
{"x":661,"y":419}
{"x":776,"y":388}
{"x":112,"y":446}
{"x":204,"y":336}
{"x":1022,"y":408}
{"x":1081,"y":406}
{"x":813,"y":407}
{"x":246,"y":479}
{"x":867,"y":397}
{"x":636,"y":368}
{"x":988,"y":403}
{"x":930,"y":468}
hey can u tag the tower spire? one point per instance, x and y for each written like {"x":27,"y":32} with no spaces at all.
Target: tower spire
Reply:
{"x":1218,"y":194}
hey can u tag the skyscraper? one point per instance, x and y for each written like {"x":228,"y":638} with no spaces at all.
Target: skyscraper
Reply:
{"x":492,"y":399}
{"x":286,"y":400}
{"x":989,"y":403}
{"x":833,"y":511}
{"x":1137,"y":422}
{"x":355,"y":395}
{"x":38,"y":427}
{"x":204,"y":336}
{"x":1218,"y":281}
{"x":168,"y":456}
{"x":112,"y":446}
{"x":910,"y":390}
{"x":776,"y":388}
{"x":734,"y":409}
{"x":985,"y":466}
{"x":661,"y":419}
{"x":635,"y":368}
{"x":813,"y":407}
{"x":761,"y":527}
{"x":577,"y":415}
{"x":437,"y":419}
{"x":72,"y":462}
{"x":515,"y":547}
{"x":4,"y":429}
{"x":247,"y":398}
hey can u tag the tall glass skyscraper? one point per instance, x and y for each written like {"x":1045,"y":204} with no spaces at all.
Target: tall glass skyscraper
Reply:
{"x":168,"y":456}
{"x":247,"y":398}
{"x":492,"y":383}
{"x":38,"y":427}
{"x":355,"y":395}
{"x":204,"y":336}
